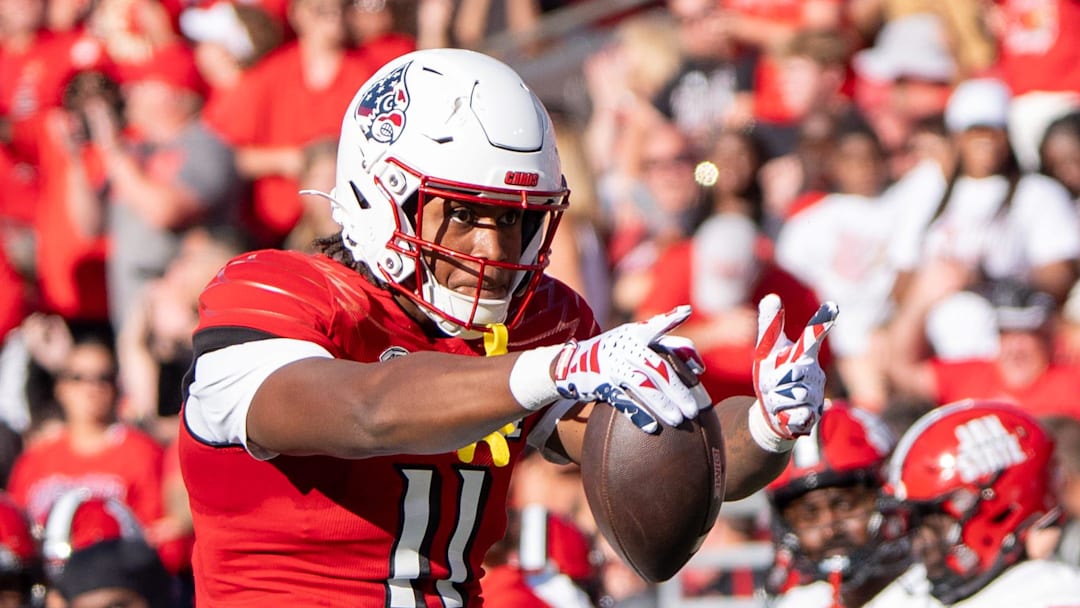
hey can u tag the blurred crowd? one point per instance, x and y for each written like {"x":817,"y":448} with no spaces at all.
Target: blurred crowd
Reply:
{"x":917,"y":162}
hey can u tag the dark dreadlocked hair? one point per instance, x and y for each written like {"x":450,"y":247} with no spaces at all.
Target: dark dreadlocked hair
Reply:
{"x":333,"y":247}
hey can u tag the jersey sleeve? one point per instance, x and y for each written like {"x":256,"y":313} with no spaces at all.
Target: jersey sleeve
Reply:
{"x":262,"y":312}
{"x":272,"y":294}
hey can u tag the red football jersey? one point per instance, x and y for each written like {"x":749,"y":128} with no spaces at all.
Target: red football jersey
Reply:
{"x":388,"y":531}
{"x":129,"y":469}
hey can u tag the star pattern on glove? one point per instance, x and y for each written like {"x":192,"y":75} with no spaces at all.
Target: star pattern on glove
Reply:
{"x":788,"y":380}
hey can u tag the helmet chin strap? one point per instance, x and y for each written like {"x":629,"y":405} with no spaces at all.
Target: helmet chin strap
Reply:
{"x":458,"y":306}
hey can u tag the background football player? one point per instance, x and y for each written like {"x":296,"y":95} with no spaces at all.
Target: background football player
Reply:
{"x":841,"y":550}
{"x":975,"y":478}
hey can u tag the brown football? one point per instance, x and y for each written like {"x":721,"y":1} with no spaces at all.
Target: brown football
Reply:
{"x":654,"y":497}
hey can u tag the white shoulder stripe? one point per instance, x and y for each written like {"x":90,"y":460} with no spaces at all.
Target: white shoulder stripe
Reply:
{"x":226,"y":381}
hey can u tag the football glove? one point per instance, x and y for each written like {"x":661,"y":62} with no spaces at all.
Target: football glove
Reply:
{"x":788,"y":380}
{"x":637,"y":369}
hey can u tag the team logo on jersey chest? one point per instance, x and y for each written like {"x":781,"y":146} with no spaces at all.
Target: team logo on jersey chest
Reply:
{"x":392,"y":353}
{"x":381,"y":111}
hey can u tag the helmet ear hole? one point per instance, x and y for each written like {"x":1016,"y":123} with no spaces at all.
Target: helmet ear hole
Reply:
{"x":360,"y":200}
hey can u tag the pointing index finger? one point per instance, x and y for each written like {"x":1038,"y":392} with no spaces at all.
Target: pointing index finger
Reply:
{"x":662,"y":323}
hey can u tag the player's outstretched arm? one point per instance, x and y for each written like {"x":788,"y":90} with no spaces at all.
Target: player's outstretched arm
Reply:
{"x":425,"y":403}
{"x":431,"y":402}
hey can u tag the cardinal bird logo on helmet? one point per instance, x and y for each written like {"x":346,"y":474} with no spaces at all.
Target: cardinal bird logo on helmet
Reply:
{"x":381,"y":111}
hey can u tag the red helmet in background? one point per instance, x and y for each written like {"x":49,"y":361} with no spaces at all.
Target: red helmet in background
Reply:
{"x":848,"y":446}
{"x":988,"y":466}
{"x":79,"y":519}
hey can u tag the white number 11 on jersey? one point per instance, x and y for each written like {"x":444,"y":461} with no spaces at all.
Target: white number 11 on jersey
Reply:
{"x":410,"y":558}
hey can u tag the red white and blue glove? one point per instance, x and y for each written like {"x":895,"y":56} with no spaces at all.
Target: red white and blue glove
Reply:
{"x":788,"y":380}
{"x":638,"y":370}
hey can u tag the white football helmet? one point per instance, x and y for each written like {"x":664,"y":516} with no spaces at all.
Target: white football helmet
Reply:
{"x":456,"y":124}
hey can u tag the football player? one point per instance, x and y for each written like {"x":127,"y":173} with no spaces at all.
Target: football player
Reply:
{"x":834,"y":545}
{"x":352,"y":417}
{"x":975,"y":477}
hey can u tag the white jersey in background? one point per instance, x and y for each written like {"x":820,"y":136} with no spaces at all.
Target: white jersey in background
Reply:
{"x":909,"y":590}
{"x":1031,"y":584}
{"x":838,"y":247}
{"x":1040,"y":227}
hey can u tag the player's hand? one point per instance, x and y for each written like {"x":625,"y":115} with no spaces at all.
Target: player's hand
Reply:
{"x":634,"y":369}
{"x":788,"y":380}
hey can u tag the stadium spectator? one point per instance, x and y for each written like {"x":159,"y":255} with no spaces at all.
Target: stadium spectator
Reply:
{"x":1037,"y":57}
{"x":730,"y":175}
{"x":982,"y":211}
{"x":975,"y":478}
{"x":660,"y":203}
{"x":578,"y":252}
{"x":36,"y":64}
{"x":621,"y":79}
{"x":836,"y":245}
{"x":90,"y":449}
{"x":904,"y":78}
{"x":132,"y":31}
{"x":317,"y":175}
{"x":834,"y":546}
{"x":166,"y":174}
{"x":768,"y":28}
{"x":1023,"y":370}
{"x":154,"y":347}
{"x":475,"y":20}
{"x":1059,"y":153}
{"x":71,"y":248}
{"x":712,"y":89}
{"x":34,"y":355}
{"x":928,"y":140}
{"x":963,"y":32}
{"x":291,"y":404}
{"x":261,"y":118}
{"x":229,"y":38}
{"x":382,"y":29}
{"x":68,"y":15}
{"x":813,"y":69}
